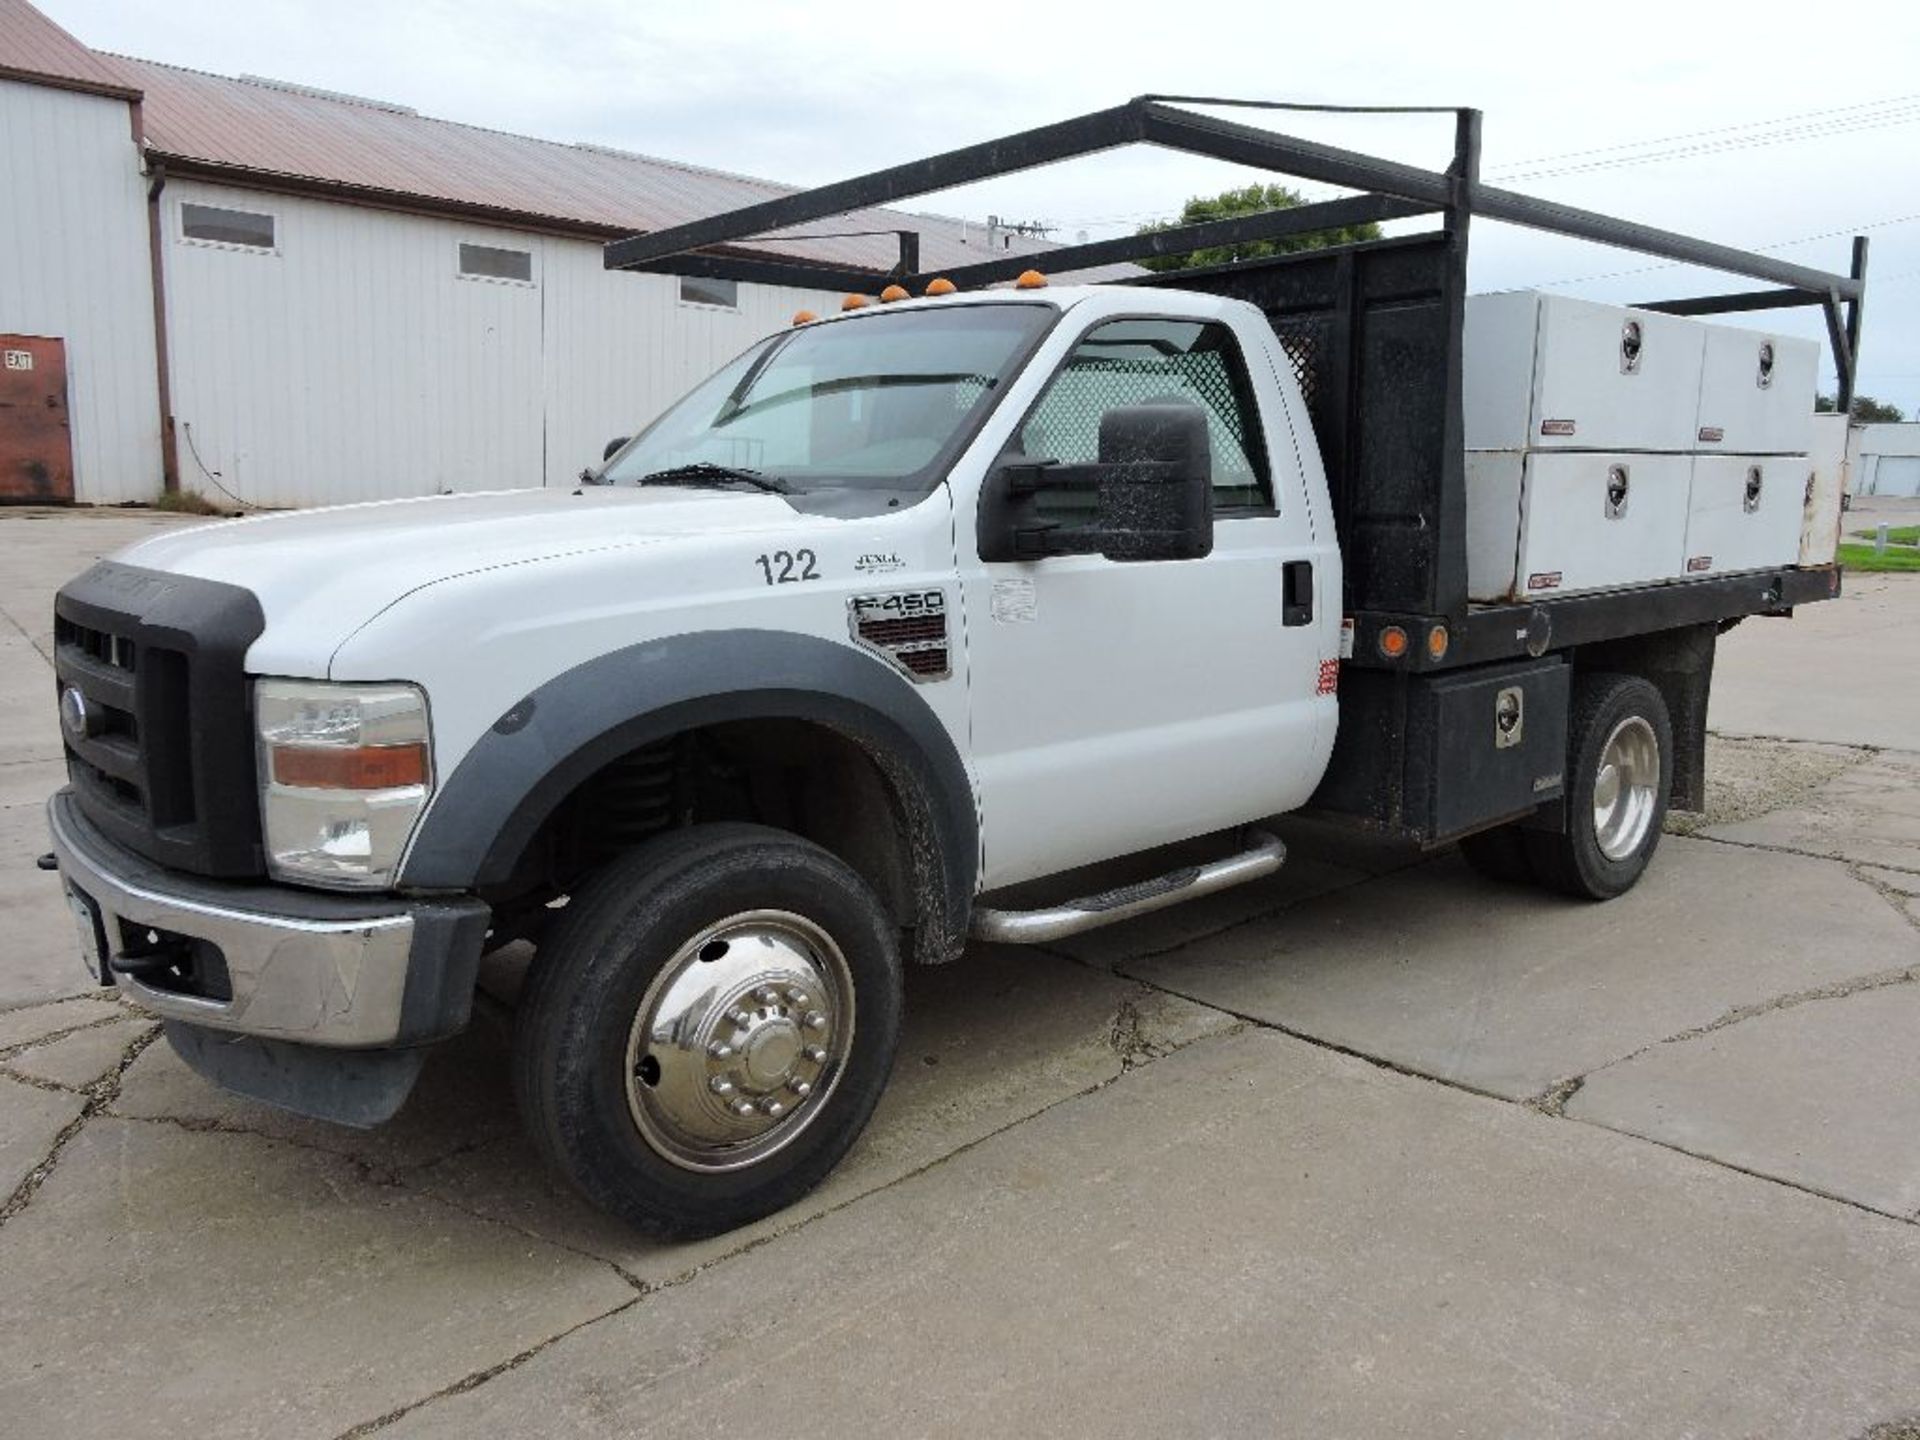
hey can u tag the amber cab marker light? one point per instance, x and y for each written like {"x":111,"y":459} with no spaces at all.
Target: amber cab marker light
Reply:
{"x":854,"y":302}
{"x":370,"y":767}
{"x":893,"y":293}
{"x":941,"y":286}
{"x":1030,"y":280}
{"x":1437,"y":642}
{"x":804,"y":317}
{"x":1393,"y":642}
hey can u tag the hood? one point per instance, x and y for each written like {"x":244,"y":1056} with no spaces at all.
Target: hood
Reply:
{"x":325,"y":573}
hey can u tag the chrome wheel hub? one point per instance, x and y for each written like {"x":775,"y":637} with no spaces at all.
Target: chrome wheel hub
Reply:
{"x":739,"y":1041}
{"x":1625,"y":788}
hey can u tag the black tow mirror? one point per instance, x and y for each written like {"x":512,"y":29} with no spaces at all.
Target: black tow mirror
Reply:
{"x":613,"y":445}
{"x":1151,"y":494}
{"x":1156,"y":486}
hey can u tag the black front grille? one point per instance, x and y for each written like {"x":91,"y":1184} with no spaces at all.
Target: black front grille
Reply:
{"x":160,"y":747}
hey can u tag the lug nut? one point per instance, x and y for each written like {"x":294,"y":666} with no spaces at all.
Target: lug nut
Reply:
{"x":741,"y":1107}
{"x":742,"y":1018}
{"x":772,"y":1109}
{"x":720,"y":1050}
{"x":800,"y":1088}
{"x":799,"y":996}
{"x":815,"y":1020}
{"x":720,"y":1086}
{"x":767,"y":995}
{"x":817,"y":1054}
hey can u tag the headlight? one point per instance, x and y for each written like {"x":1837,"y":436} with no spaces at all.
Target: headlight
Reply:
{"x":344,"y":774}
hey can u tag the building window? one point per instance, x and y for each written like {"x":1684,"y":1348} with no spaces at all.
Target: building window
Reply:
{"x":227,"y":227}
{"x":490,"y":262}
{"x":723,"y":293}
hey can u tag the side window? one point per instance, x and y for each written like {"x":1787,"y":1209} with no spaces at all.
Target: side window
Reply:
{"x":1152,"y":362}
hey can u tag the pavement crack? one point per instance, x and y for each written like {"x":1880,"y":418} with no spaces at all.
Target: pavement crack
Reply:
{"x":100,"y":1094}
{"x":20,"y":1047}
{"x":480,"y":1377}
{"x":1552,"y":1101}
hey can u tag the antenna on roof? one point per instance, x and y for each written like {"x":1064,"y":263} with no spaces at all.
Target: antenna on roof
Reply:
{"x":317,"y":93}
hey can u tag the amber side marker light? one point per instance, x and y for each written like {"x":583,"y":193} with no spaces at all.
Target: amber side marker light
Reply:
{"x":804,"y":317}
{"x":941,"y":286}
{"x":854,"y":302}
{"x":893,"y":293}
{"x":1030,"y":280}
{"x":370,"y":767}
{"x":1393,"y":642}
{"x":1437,"y":642}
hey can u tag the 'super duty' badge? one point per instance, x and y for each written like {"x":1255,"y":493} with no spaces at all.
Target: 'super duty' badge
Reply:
{"x":907,"y":627}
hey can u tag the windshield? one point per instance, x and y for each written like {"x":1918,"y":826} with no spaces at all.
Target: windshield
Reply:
{"x":872,"y":402}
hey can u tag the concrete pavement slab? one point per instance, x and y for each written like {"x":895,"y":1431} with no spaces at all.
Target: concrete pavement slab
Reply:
{"x":78,"y":1060}
{"x":37,"y":1022}
{"x":989,"y":1040}
{"x":1256,"y":1236}
{"x":1748,"y":777}
{"x":1845,"y":670}
{"x":1823,"y":1095}
{"x":462,"y":1101}
{"x":1868,"y":813}
{"x":26,"y":784}
{"x":165,"y":1282}
{"x":41,"y":958}
{"x":30,"y":1120}
{"x":1509,"y":990}
{"x":29,"y":719}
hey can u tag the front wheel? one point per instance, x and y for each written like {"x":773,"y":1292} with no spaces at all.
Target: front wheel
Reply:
{"x":1620,"y":772}
{"x":708,"y":1027}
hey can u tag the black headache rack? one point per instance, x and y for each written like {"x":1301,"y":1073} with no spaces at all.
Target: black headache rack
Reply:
{"x":1375,"y":333}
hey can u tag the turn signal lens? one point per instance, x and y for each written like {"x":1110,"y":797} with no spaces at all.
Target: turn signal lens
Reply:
{"x":1030,"y":280}
{"x":941,"y":286}
{"x":1393,"y":642}
{"x":893,"y":293}
{"x":371,"y":767}
{"x":1437,"y":642}
{"x":854,"y":302}
{"x":804,"y":317}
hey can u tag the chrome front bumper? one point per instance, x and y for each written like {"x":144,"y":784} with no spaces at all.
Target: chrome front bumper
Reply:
{"x":316,"y":969}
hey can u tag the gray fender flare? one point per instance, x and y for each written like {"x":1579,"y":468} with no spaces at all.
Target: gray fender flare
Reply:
{"x":486,"y":812}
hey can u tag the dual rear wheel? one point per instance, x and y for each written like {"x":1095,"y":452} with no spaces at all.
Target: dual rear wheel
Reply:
{"x":1620,"y":772}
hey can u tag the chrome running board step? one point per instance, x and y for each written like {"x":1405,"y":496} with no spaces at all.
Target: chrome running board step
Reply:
{"x":1032,"y":927}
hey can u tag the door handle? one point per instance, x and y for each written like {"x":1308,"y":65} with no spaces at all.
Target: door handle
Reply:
{"x":1296,"y":587}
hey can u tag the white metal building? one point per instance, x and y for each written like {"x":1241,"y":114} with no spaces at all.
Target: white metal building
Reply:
{"x":1886,"y":459}
{"x":299,"y":298}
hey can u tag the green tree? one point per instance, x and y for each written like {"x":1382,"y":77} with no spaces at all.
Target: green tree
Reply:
{"x":1248,"y":200}
{"x":1866,"y":410}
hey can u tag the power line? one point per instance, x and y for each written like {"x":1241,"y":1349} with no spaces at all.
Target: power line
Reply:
{"x":1884,"y":121}
{"x":1776,"y":245}
{"x":1721,"y":130}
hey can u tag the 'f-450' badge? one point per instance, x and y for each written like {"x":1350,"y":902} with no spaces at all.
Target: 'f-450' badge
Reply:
{"x":908,"y":627}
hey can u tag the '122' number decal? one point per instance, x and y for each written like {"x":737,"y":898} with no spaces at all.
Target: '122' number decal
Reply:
{"x":779,"y":567}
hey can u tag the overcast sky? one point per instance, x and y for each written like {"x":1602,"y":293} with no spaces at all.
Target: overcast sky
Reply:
{"x":1700,"y":118}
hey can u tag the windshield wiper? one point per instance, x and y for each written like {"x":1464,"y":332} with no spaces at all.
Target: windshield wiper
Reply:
{"x":705,"y":472}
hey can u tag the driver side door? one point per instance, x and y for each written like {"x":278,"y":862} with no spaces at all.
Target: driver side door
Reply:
{"x":1118,"y":705}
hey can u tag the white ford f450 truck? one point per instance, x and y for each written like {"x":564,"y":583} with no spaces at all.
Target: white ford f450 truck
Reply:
{"x":915,"y":603}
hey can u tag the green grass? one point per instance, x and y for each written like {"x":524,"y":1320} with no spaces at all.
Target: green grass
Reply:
{"x":1862,"y":558}
{"x":187,"y":502}
{"x":1896,"y":534}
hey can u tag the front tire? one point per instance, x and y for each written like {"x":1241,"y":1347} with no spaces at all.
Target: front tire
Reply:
{"x":708,"y":1027}
{"x":1620,"y":772}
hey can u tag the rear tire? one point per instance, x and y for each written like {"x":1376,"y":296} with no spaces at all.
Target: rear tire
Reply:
{"x":1619,"y":774}
{"x":707,"y":1028}
{"x":1499,"y":854}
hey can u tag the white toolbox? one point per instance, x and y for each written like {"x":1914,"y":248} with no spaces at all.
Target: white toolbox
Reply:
{"x":1820,"y":518}
{"x":1550,"y":372}
{"x":1745,"y":512}
{"x":1756,"y":393}
{"x":1541,"y":524}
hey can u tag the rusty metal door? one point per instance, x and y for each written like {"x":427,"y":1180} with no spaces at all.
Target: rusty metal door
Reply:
{"x":36,"y":440}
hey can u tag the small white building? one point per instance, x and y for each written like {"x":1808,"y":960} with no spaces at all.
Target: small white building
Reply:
{"x":285,"y":297}
{"x":1886,"y":459}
